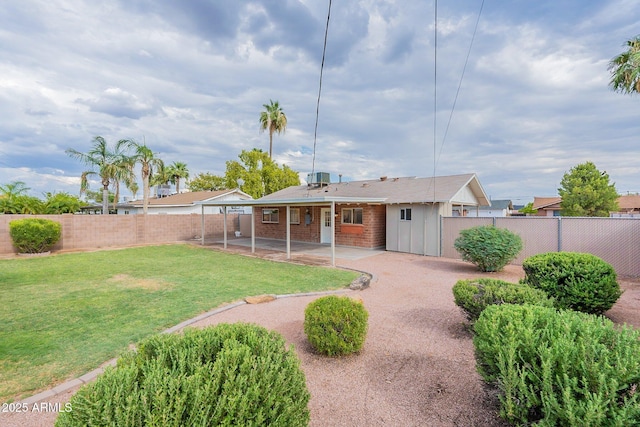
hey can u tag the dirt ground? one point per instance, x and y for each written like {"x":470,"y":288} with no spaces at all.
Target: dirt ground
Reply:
{"x":417,"y":367}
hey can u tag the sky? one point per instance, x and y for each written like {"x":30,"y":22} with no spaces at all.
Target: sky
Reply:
{"x":190,"y":78}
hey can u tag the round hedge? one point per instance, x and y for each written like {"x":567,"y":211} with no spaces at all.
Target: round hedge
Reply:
{"x":336,"y":325}
{"x":577,"y":281}
{"x":230,"y":375}
{"x":488,"y":247}
{"x":34,"y":235}
{"x":473,"y":296}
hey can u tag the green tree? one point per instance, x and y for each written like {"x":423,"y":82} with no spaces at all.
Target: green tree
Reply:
{"x":528,"y":209}
{"x":108,"y":163}
{"x":272,"y":119}
{"x":148,"y":161}
{"x":586,"y":191}
{"x":13,"y":189}
{"x":259,"y":174}
{"x":160,"y":176}
{"x":61,"y":203}
{"x":625,"y":69}
{"x":207,"y":182}
{"x":21,"y":204}
{"x":178,"y":171}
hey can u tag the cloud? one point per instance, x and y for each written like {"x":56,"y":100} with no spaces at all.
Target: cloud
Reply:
{"x":119,"y":103}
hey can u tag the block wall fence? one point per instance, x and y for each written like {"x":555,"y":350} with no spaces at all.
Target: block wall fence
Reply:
{"x":84,"y":232}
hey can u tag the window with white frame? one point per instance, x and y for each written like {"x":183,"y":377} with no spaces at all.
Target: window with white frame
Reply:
{"x":352,"y":216}
{"x":294,"y":215}
{"x":270,"y":215}
{"x":405,"y":214}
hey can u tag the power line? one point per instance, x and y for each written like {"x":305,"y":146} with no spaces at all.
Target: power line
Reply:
{"x":324,"y":50}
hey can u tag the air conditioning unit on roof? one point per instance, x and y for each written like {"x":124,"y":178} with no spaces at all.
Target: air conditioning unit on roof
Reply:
{"x":319,"y":179}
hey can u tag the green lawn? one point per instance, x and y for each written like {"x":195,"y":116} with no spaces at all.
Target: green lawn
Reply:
{"x":64,"y":315}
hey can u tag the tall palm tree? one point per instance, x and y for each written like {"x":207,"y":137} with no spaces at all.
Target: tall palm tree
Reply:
{"x":148,"y":161}
{"x":105,"y":162}
{"x":625,"y":69}
{"x":161,"y":176}
{"x":178,"y":171}
{"x":274,"y":120}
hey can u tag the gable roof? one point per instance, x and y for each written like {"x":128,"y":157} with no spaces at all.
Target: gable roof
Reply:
{"x":448,"y":189}
{"x":189,"y":198}
{"x":629,"y":202}
{"x":546,"y":202}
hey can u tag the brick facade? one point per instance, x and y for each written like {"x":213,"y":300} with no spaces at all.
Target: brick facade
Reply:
{"x":370,"y":234}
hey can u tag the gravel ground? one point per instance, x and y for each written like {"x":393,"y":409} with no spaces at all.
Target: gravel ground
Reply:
{"x":417,"y":367}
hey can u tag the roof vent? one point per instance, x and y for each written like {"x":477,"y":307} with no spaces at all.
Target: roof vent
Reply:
{"x":383,"y":178}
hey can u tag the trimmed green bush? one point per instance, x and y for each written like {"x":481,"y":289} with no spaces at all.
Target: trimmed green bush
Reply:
{"x":34,"y":235}
{"x":577,"y":281}
{"x":559,"y":368}
{"x":228,"y":375}
{"x":488,"y":247}
{"x":473,"y":296}
{"x":336,"y":325}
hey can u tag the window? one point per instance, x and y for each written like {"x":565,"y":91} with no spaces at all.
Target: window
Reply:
{"x":352,"y":216}
{"x":270,"y":215}
{"x":294,"y":216}
{"x":405,"y":214}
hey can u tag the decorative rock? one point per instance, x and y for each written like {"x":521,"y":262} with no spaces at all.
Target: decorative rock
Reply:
{"x":259,"y":299}
{"x":361,"y":282}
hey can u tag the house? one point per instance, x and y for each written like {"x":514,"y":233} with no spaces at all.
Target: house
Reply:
{"x":547,"y":206}
{"x":186,"y":203}
{"x":498,"y":208}
{"x":398,"y":214}
{"x":628,"y":207}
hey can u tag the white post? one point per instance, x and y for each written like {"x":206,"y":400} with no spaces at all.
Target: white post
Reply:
{"x":333,"y":233}
{"x":202,"y":227}
{"x":288,"y":232}
{"x":225,"y":228}
{"x":253,"y":230}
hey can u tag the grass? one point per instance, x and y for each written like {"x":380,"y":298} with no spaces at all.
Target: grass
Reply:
{"x":64,"y":315}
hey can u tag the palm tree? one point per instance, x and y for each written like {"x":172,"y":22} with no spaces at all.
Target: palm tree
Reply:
{"x":13,"y":189}
{"x":161,"y":176}
{"x":110,"y":164}
{"x":148,"y":161}
{"x":178,"y":171}
{"x":625,"y":69}
{"x":273,"y":119}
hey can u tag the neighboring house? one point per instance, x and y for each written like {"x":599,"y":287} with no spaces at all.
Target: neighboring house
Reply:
{"x":628,"y":207}
{"x":547,"y":206}
{"x":399,"y":214}
{"x":498,"y":208}
{"x":187,"y":203}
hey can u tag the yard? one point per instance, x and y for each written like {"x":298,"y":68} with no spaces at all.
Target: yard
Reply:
{"x":64,"y":315}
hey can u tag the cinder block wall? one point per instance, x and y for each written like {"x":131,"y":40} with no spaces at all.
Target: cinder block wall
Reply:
{"x":102,"y":231}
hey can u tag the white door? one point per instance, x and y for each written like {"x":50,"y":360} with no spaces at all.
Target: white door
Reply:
{"x":325,"y":225}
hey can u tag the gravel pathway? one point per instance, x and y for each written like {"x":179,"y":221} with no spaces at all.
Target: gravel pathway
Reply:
{"x":417,"y":367}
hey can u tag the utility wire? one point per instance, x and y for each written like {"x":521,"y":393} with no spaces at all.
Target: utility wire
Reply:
{"x":315,"y":132}
{"x":453,"y":107}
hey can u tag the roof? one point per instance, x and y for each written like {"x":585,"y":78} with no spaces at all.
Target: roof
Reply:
{"x":546,"y":202}
{"x":188,"y":198}
{"x":629,"y":202}
{"x":499,"y":204}
{"x":393,"y":190}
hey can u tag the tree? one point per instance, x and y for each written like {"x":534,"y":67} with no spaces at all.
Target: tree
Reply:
{"x":61,"y":203}
{"x":110,"y":164}
{"x":272,"y":119}
{"x":528,"y":209}
{"x":259,"y":174}
{"x":13,"y":189}
{"x":207,"y":182}
{"x":178,"y":171}
{"x":148,"y":161}
{"x":625,"y":69}
{"x":586,"y":191}
{"x":161,"y":176}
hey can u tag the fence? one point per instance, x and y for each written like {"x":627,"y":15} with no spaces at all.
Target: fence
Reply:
{"x":100,"y":231}
{"x":616,"y":240}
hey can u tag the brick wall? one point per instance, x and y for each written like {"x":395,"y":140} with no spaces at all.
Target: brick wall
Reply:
{"x":100,"y":231}
{"x":371,"y":234}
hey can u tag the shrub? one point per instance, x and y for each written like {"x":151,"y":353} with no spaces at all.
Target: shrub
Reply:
{"x":34,"y":235}
{"x":578,"y":281}
{"x":336,"y":325}
{"x":473,"y":296}
{"x":231,"y":374}
{"x":560,"y":368}
{"x":488,"y":247}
